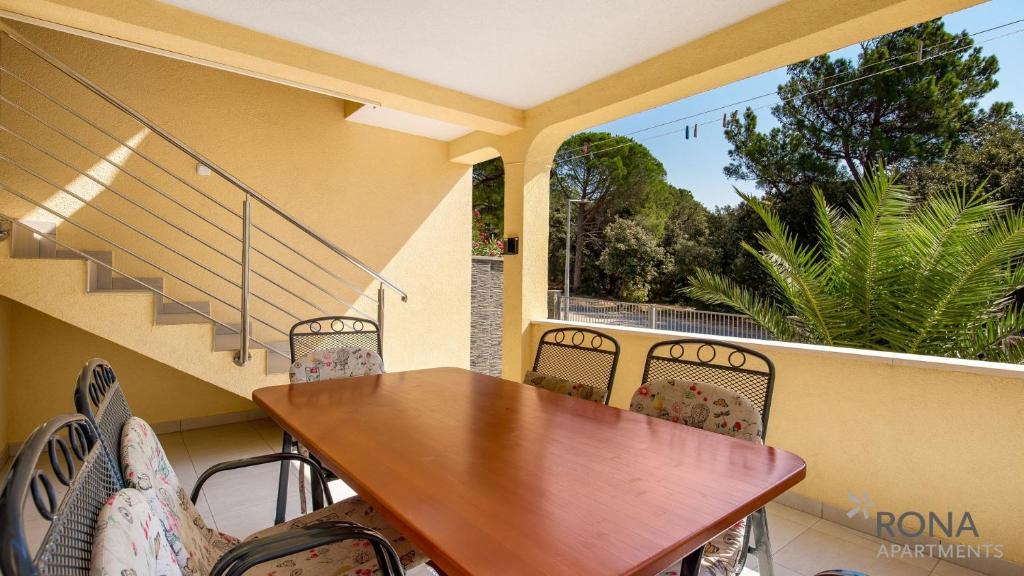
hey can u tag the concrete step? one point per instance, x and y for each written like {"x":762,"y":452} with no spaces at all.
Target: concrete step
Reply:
{"x":277,"y":364}
{"x":99,"y":276}
{"x":225,"y":340}
{"x":170,"y":312}
{"x":229,"y":341}
{"x":124,"y":285}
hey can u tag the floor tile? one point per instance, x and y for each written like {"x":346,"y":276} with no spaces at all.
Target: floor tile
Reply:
{"x":243,"y":521}
{"x":751,"y":568}
{"x":944,"y":568}
{"x":209,"y":446}
{"x":813,"y":551}
{"x":782,"y":529}
{"x":791,"y":514}
{"x":845,"y":533}
{"x":269,"y":431}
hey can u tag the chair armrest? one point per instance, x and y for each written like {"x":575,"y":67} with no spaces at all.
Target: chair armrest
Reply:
{"x":246,"y":555}
{"x":264,"y":459}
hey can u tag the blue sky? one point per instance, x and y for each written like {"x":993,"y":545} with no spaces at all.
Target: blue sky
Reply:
{"x":696,"y":164}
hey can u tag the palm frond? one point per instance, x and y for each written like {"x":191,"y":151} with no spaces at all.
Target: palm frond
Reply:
{"x":716,"y":289}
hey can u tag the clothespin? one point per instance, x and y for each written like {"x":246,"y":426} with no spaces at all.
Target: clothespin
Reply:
{"x":723,"y":119}
{"x":586,"y":148}
{"x":920,"y":50}
{"x":687,"y":131}
{"x":695,"y":129}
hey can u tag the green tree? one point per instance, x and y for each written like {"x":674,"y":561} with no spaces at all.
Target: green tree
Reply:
{"x":994,"y":154}
{"x":924,"y":276}
{"x":687,"y":241}
{"x":908,"y":116}
{"x":614,"y":176}
{"x":839,"y":119}
{"x":489,"y":198}
{"x":631,"y":260}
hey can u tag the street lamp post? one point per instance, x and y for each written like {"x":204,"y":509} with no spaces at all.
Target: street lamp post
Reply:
{"x":568,"y":237}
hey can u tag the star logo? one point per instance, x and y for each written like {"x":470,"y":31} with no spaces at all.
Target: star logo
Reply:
{"x":861,"y":505}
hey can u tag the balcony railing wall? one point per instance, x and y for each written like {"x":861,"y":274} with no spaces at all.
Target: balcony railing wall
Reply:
{"x":655,"y":317}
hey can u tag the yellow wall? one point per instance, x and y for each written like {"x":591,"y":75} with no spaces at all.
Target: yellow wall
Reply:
{"x":393,"y":200}
{"x":5,"y":344}
{"x":916,"y":433}
{"x":46,"y":355}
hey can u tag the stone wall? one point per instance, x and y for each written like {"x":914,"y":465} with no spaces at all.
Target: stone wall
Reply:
{"x":485,"y":331}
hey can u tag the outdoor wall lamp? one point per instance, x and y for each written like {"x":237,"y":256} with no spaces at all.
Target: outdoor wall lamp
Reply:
{"x":511,"y":246}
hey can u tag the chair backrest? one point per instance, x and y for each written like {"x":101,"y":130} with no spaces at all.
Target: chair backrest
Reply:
{"x":731,"y":366}
{"x":334,"y":332}
{"x":580,"y":355}
{"x":68,"y":489}
{"x":99,"y":397}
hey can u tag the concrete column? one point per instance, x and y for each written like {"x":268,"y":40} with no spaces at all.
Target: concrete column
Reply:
{"x":526,"y":274}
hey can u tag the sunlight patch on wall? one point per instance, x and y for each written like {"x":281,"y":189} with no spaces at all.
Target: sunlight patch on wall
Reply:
{"x":84,"y":187}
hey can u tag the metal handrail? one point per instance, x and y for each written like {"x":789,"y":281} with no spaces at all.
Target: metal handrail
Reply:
{"x":248,"y":225}
{"x":115,"y":270}
{"x":182,"y":181}
{"x":128,"y":199}
{"x":141,"y":232}
{"x":10,"y":190}
{"x":195,"y":155}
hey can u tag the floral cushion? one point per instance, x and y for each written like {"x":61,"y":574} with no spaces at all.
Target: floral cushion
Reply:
{"x":563,"y":386}
{"x":700,"y":405}
{"x":196,"y":548}
{"x":146,"y":468}
{"x":721,"y":555}
{"x":353,"y":557}
{"x":346,"y":362}
{"x":129,"y":540}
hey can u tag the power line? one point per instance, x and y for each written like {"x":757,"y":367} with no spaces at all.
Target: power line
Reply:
{"x":796,"y":96}
{"x":733,"y":106}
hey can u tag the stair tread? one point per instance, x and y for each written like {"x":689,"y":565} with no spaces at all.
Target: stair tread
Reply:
{"x":170,"y":307}
{"x":124,"y":284}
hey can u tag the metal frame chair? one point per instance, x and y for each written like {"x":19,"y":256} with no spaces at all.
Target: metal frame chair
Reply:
{"x":580,"y":355}
{"x":320,"y":334}
{"x":100,"y":399}
{"x":98,"y":396}
{"x":737,"y":368}
{"x":81,"y":469}
{"x":80,"y":477}
{"x":334,"y":332}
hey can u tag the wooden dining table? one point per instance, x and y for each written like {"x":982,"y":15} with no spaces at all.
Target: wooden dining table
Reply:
{"x":490,"y":476}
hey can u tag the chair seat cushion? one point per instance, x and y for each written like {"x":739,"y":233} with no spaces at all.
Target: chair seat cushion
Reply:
{"x":146,"y":468}
{"x":129,"y":539}
{"x":563,"y":386}
{"x":700,"y":405}
{"x":196,"y":547}
{"x":355,"y":557}
{"x":722,"y":555}
{"x":329,"y":363}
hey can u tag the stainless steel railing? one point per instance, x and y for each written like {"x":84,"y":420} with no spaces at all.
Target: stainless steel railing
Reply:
{"x":658,"y":317}
{"x":303,"y":291}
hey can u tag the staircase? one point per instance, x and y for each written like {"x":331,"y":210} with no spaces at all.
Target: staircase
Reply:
{"x":197,"y":271}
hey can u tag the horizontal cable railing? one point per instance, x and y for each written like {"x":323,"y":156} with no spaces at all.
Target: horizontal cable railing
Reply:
{"x":259,"y":277}
{"x":657,"y":317}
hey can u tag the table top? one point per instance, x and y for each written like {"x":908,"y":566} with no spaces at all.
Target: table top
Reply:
{"x":490,"y":476}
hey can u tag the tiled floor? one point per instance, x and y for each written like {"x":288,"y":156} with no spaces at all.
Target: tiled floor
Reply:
{"x":241,"y":502}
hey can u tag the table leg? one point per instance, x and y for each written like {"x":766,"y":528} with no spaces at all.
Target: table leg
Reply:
{"x":691,"y":563}
{"x":282,"y":481}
